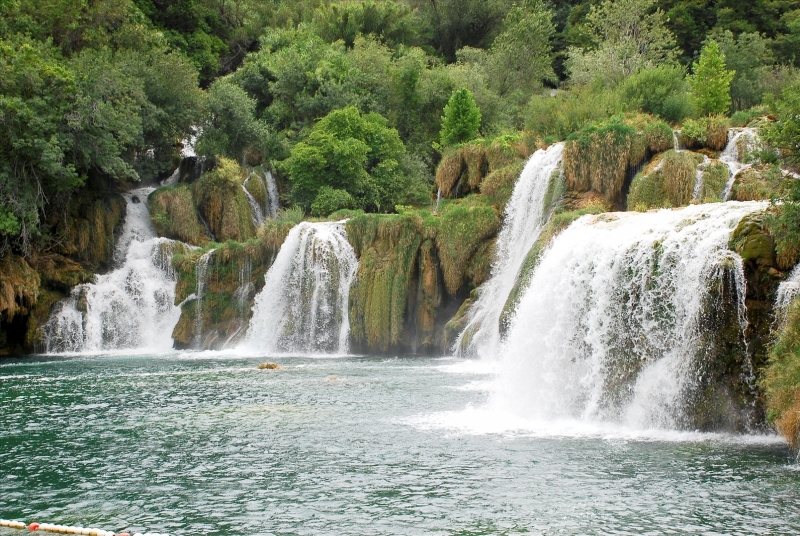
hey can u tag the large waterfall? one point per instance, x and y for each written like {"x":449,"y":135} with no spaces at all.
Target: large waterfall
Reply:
{"x":524,"y":217}
{"x":130,"y":307}
{"x":303,"y":307}
{"x":610,"y":328}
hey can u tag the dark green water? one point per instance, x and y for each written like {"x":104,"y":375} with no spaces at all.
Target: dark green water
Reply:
{"x":209,"y":445}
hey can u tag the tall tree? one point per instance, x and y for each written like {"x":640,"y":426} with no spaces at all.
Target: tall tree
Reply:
{"x":710,"y":82}
{"x":461,"y":120}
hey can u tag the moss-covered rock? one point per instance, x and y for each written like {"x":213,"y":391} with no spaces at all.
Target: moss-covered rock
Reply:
{"x":597,"y":159}
{"x":222,"y":203}
{"x":233,"y":275}
{"x":758,"y":183}
{"x":19,"y":293}
{"x":715,"y":177}
{"x":89,"y":231}
{"x":174,"y":215}
{"x":463,"y":169}
{"x":669,"y":183}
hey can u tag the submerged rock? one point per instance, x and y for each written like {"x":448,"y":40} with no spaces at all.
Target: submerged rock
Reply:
{"x":269,"y":366}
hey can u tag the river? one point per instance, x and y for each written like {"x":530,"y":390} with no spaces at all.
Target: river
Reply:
{"x":205,"y":443}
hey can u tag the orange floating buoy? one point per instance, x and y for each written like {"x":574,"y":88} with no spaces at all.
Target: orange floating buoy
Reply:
{"x":33,"y":526}
{"x":124,"y":534}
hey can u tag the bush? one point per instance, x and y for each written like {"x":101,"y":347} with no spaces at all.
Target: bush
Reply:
{"x":330,"y":200}
{"x":659,"y":137}
{"x":710,"y":132}
{"x":660,"y":91}
{"x":559,"y":116}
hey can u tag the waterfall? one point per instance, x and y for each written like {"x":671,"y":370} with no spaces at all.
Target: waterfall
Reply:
{"x":173,"y":179}
{"x":610,"y":328}
{"x":787,"y":291}
{"x":273,"y":203}
{"x":201,"y":271}
{"x":524,"y":217}
{"x":697,"y":193}
{"x":303,"y":307}
{"x":255,"y":209}
{"x":731,"y":156}
{"x":130,"y":307}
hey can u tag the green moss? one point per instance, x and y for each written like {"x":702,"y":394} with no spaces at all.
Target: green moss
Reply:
{"x":256,"y":188}
{"x":752,"y":241}
{"x":659,"y":137}
{"x":223,"y":204}
{"x":671,"y":185}
{"x":758,"y":183}
{"x":715,"y":177}
{"x":679,"y":176}
{"x":781,"y":379}
{"x":388,"y":248}
{"x":464,"y":169}
{"x":88,"y":233}
{"x":463,"y":227}
{"x":174,"y":215}
{"x":499,"y":184}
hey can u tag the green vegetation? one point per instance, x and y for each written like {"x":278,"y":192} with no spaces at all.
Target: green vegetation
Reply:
{"x":710,"y":82}
{"x":781,"y":380}
{"x":461,"y":119}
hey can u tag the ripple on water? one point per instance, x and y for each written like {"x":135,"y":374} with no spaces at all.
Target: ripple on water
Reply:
{"x":210,"y":445}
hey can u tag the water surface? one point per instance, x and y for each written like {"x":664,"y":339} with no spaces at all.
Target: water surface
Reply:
{"x":207,"y":444}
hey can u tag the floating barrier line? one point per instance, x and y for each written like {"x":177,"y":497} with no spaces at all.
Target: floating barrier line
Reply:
{"x":67,"y":529}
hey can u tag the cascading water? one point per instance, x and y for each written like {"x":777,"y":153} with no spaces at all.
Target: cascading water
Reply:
{"x":303,"y":307}
{"x":524,"y":217}
{"x":739,"y":141}
{"x":610,"y":327}
{"x":271,"y":202}
{"x":201,"y":270}
{"x":255,"y":209}
{"x":131,"y":306}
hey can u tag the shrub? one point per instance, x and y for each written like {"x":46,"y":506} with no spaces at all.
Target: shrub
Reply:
{"x":659,"y":137}
{"x":660,"y":91}
{"x":330,"y":200}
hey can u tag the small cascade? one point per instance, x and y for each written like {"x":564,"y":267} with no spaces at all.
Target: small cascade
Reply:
{"x":524,"y":218}
{"x":173,"y":179}
{"x":676,"y":141}
{"x":788,"y":290}
{"x":273,"y":203}
{"x":255,"y":209}
{"x":740,"y":141}
{"x":612,"y":327}
{"x":698,"y":179}
{"x":131,"y":306}
{"x":201,"y":271}
{"x":438,"y":200}
{"x":303,"y":307}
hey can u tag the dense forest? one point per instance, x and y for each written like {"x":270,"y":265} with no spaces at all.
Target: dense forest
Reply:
{"x":376,"y":107}
{"x":345,"y":100}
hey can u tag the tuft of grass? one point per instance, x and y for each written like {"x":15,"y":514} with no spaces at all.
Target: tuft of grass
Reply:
{"x":659,"y":137}
{"x":715,"y":177}
{"x":679,"y":176}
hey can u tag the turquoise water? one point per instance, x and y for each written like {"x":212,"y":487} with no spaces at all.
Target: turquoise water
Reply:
{"x":207,"y":444}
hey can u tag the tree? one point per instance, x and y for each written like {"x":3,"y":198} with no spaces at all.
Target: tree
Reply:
{"x":521,"y":56}
{"x":353,"y":152}
{"x":749,"y":57}
{"x":626,"y":36}
{"x":461,"y":120}
{"x":710,"y":83}
{"x":784,"y":133}
{"x":231,"y":128}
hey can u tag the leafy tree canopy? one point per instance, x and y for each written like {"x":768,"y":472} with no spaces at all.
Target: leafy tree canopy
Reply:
{"x":710,"y":82}
{"x":461,"y":120}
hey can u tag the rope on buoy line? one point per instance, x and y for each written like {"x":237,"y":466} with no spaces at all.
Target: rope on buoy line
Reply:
{"x":67,"y":529}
